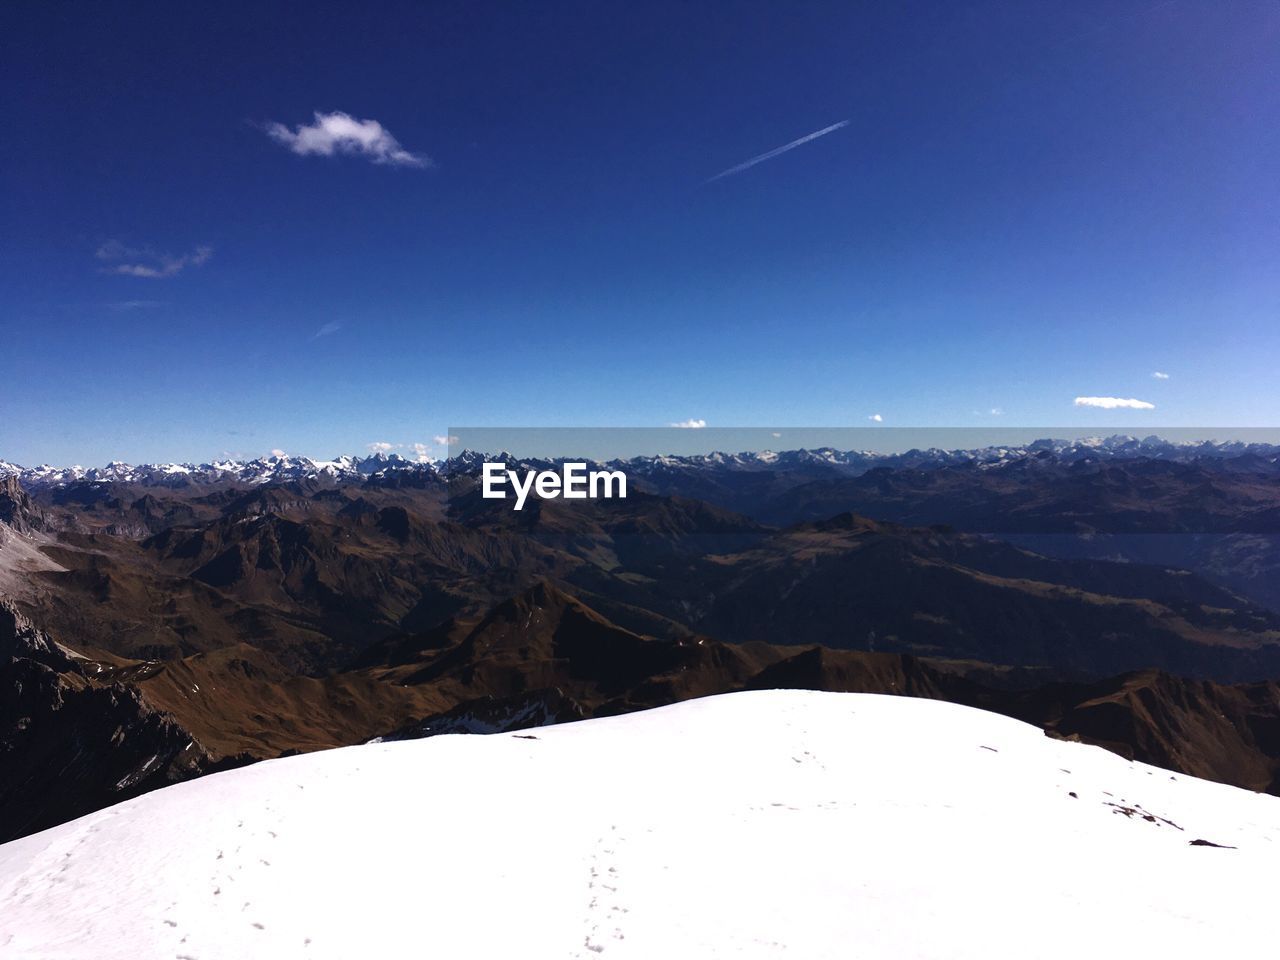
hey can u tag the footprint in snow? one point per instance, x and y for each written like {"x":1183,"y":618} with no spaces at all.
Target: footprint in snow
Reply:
{"x":604,"y":911}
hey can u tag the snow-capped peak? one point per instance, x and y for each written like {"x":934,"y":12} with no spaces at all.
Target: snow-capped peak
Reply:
{"x":282,"y":468}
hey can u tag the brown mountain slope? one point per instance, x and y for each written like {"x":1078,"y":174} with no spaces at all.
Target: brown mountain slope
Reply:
{"x":315,"y":575}
{"x":241,"y":701}
{"x":850,"y":582}
{"x":1226,"y":733}
{"x":546,"y":638}
{"x":70,"y":743}
{"x":76,"y":734}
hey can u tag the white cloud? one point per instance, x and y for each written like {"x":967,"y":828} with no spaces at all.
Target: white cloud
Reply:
{"x":422,"y":453}
{"x":776,"y":436}
{"x":129,"y":261}
{"x":1113,"y":403}
{"x":277,"y":452}
{"x":443,"y":441}
{"x":381,"y":446}
{"x":997,"y":412}
{"x":876,"y":417}
{"x":778,"y":151}
{"x":690,"y":424}
{"x":333,"y":326}
{"x":1160,"y":375}
{"x":340,"y":132}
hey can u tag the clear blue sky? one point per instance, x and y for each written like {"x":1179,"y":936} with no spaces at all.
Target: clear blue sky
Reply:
{"x":1030,"y":202}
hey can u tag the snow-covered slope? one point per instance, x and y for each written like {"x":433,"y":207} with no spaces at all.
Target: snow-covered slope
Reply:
{"x":769,"y":824}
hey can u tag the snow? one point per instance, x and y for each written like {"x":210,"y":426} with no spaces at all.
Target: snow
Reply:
{"x":277,"y":469}
{"x":766,"y":824}
{"x":21,"y":562}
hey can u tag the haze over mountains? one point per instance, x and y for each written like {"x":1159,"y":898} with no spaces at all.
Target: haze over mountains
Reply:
{"x":163,"y":622}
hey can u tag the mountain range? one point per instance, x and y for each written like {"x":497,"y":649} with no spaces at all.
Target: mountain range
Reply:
{"x":281,"y":468}
{"x":157,"y":625}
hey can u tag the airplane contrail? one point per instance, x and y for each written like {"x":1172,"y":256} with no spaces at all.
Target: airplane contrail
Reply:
{"x":780,"y":150}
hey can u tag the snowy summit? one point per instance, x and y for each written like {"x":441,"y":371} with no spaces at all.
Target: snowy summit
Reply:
{"x":768,"y":824}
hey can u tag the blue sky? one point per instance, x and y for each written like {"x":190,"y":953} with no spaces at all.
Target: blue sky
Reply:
{"x":1029,"y":203}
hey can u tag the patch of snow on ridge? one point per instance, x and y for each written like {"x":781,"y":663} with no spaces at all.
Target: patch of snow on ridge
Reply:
{"x":765,"y":824}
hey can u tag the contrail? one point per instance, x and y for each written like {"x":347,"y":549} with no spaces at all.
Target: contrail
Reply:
{"x":779,"y":151}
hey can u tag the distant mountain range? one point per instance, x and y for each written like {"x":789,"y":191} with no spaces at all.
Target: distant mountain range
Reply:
{"x":281,"y":469}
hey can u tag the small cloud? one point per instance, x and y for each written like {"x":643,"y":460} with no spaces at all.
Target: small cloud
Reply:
{"x":128,"y":261}
{"x":997,"y":412}
{"x":1114,"y":403}
{"x":277,"y":452}
{"x":333,"y":326}
{"x":690,"y":424}
{"x":422,"y":453}
{"x":876,"y":417}
{"x":381,"y":446}
{"x":1160,"y":375}
{"x":340,"y":132}
{"x":441,"y":440}
{"x":776,"y":436}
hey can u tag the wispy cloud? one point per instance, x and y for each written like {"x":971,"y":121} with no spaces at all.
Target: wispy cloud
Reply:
{"x":876,"y":417}
{"x":277,"y":452}
{"x":381,"y":446}
{"x":333,"y":326}
{"x":129,"y":261}
{"x":340,"y":132}
{"x":1114,"y":403}
{"x":136,"y":304}
{"x":779,"y":151}
{"x":1160,"y":375}
{"x":441,"y":440}
{"x":690,"y":424}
